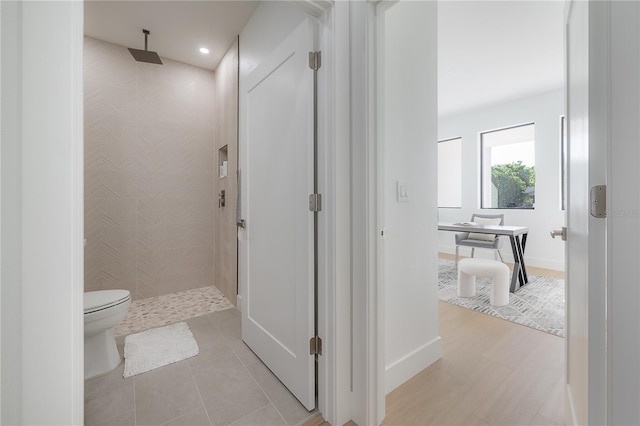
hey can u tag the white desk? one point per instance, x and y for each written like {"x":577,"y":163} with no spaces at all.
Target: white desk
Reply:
{"x":518,"y":237}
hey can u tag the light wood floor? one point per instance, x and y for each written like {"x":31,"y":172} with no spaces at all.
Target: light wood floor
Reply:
{"x":492,"y":372}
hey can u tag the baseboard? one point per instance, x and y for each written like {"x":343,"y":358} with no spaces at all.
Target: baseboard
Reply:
{"x":411,"y":364}
{"x":554,"y":265}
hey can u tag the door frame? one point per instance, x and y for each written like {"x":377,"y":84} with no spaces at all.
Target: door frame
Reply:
{"x":614,"y":130}
{"x":45,"y":223}
{"x":613,"y":293}
{"x":338,"y":396}
{"x":620,"y":88}
{"x":368,"y":353}
{"x":597,"y":142}
{"x":334,"y":222}
{"x":350,"y":302}
{"x":336,"y":399}
{"x":345,"y":383}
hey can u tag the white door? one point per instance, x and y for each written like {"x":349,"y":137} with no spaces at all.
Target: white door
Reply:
{"x":278,"y":306}
{"x":586,"y":238}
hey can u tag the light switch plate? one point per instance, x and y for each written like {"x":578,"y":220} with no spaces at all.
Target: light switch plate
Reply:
{"x":403,"y":191}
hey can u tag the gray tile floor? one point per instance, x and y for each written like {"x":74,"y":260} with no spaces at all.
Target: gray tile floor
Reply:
{"x":225,"y":384}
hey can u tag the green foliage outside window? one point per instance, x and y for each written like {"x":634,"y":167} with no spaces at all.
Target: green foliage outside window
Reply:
{"x":514,"y":184}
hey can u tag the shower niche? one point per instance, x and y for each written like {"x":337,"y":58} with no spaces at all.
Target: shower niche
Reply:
{"x":223,"y":156}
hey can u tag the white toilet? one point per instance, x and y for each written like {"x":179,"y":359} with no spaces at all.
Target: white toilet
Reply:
{"x":103,"y":310}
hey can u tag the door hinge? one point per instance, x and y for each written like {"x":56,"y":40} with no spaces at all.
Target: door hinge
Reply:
{"x":598,"y":201}
{"x":315,"y":346}
{"x":315,"y":60}
{"x":315,"y":202}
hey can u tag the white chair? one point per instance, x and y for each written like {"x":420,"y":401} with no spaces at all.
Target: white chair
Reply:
{"x":498,"y":272}
{"x":484,"y":241}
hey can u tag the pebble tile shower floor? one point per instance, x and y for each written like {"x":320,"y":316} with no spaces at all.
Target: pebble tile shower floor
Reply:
{"x":171,"y":308}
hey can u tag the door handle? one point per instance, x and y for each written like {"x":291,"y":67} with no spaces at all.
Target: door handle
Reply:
{"x":562,"y":233}
{"x":221,"y":199}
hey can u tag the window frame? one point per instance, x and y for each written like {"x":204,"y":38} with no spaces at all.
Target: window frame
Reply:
{"x":481,"y":165}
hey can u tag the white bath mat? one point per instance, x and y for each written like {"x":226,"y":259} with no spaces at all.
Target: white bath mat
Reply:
{"x":158,"y":347}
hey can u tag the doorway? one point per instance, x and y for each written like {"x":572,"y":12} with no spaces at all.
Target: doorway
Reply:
{"x":394,"y":181}
{"x":225,"y":173}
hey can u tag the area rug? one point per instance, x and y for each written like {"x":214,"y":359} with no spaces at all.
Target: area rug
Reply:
{"x":157,"y":347}
{"x":539,"y":304}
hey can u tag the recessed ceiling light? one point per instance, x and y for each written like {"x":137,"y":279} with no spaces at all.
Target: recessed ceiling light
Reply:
{"x":204,"y":50}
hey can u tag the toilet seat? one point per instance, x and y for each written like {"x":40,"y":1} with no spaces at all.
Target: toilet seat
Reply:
{"x":95,"y":301}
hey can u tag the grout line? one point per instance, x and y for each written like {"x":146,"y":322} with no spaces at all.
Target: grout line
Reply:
{"x":249,"y":372}
{"x":245,"y":366}
{"x":220,"y":330}
{"x":228,"y":341}
{"x":194,"y":410}
{"x":253,"y":412}
{"x":312,"y":415}
{"x":260,"y":387}
{"x":537,"y":414}
{"x":233,"y":350}
{"x":135,"y":406}
{"x":103,"y":421}
{"x":206,"y":411}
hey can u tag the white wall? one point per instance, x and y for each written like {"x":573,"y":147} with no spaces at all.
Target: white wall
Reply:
{"x":11,"y":224}
{"x":545,"y":111}
{"x":410,"y":107}
{"x":45,"y":231}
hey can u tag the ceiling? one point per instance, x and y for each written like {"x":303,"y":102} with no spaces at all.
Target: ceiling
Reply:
{"x":178,"y":28}
{"x":495,"y":51}
{"x":488,"y":51}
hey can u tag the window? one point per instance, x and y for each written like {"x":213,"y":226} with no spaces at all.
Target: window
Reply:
{"x":450,"y":173}
{"x":508,"y":168}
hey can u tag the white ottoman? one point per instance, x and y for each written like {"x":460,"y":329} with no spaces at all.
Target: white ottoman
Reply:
{"x":498,"y":272}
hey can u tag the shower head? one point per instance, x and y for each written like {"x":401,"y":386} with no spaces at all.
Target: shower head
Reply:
{"x":145,"y":55}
